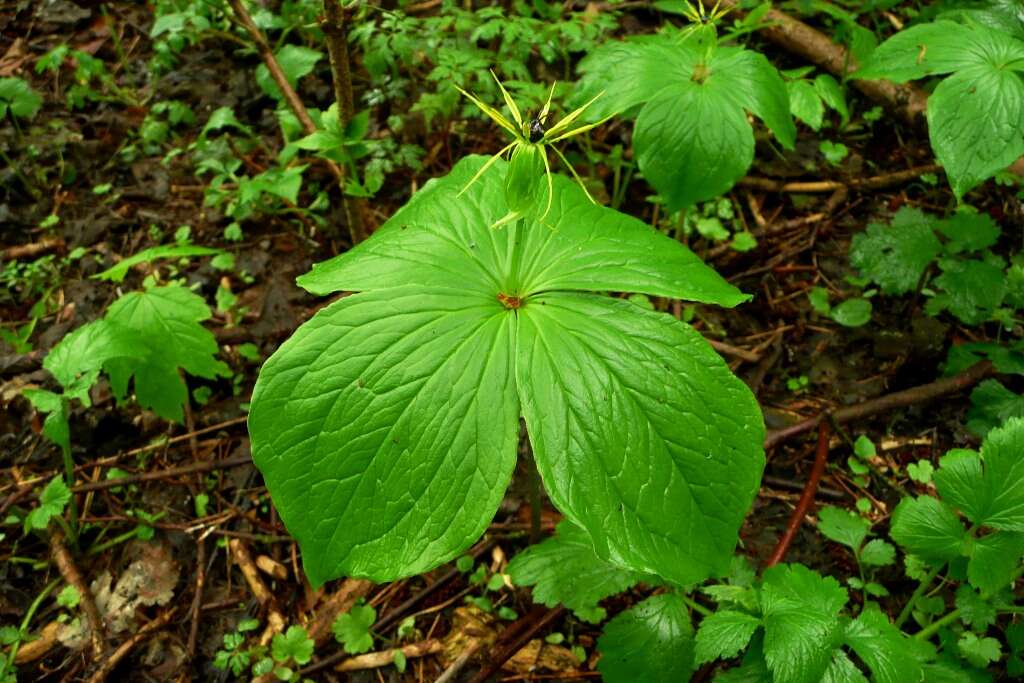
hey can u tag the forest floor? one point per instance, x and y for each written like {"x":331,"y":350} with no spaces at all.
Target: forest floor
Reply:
{"x":183,"y":533}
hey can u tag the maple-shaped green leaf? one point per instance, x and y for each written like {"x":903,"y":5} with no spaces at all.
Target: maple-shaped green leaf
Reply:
{"x":843,"y":526}
{"x":882,"y":646}
{"x":78,"y":358}
{"x":566,"y":570}
{"x":801,"y":615}
{"x":994,"y":561}
{"x":52,"y":501}
{"x":394,"y":413}
{"x":988,"y":490}
{"x":969,"y":232}
{"x":55,"y":425}
{"x":650,"y":642}
{"x":927,"y":528}
{"x":167,"y":319}
{"x":895,"y":255}
{"x":975,"y":611}
{"x":979,"y":651}
{"x":971,"y":290}
{"x":974,"y":115}
{"x":681,"y":153}
{"x":352,"y":629}
{"x":723,"y":635}
{"x":294,"y":644}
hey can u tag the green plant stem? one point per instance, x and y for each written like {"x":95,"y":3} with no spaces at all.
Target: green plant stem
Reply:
{"x":933,"y":628}
{"x":32,"y":609}
{"x":921,"y":588}
{"x":696,"y":606}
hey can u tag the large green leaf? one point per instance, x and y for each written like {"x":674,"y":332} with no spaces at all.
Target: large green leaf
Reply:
{"x":692,"y":138}
{"x":386,"y":429}
{"x":642,"y":435}
{"x":650,"y":642}
{"x":939,"y":47}
{"x":437,"y":240}
{"x":801,"y":620}
{"x":437,"y":349}
{"x":167,"y":319}
{"x":565,"y":570}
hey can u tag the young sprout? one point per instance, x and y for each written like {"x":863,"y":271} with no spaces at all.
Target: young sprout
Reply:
{"x":527,"y":153}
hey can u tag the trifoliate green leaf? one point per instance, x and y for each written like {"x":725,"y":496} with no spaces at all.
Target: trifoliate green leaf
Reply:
{"x":843,"y":526}
{"x":294,"y":644}
{"x":882,"y":646}
{"x":994,"y":561}
{"x":992,"y":404}
{"x":989,"y":490}
{"x":296,"y":61}
{"x":921,"y":471}
{"x":801,"y":616}
{"x":877,"y":553}
{"x":970,"y":290}
{"x":18,"y":98}
{"x":566,"y":570}
{"x":681,"y":156}
{"x":927,"y":528}
{"x":975,"y":611}
{"x":650,"y":642}
{"x":168,"y":321}
{"x":352,"y":629}
{"x":723,"y":635}
{"x":896,"y":255}
{"x":979,"y":651}
{"x":52,"y":501}
{"x":969,"y":232}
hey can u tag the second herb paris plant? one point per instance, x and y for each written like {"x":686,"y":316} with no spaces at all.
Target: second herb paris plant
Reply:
{"x":387,"y":427}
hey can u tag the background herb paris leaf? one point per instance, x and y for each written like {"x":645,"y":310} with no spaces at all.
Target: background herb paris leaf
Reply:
{"x":974,"y":114}
{"x":488,"y":328}
{"x":692,"y":139}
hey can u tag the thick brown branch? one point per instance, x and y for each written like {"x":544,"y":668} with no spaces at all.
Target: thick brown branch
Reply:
{"x":899,"y":399}
{"x":518,"y":634}
{"x":127,"y":646}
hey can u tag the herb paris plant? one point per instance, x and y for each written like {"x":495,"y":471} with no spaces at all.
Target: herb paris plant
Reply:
{"x":387,"y":427}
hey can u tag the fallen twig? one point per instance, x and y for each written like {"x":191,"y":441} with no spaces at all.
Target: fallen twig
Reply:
{"x":899,"y":399}
{"x":127,"y":646}
{"x":69,"y":570}
{"x":20,"y":251}
{"x":373,"y":660}
{"x":806,"y":497}
{"x":518,"y":634}
{"x":877,"y":182}
{"x":339,"y":602}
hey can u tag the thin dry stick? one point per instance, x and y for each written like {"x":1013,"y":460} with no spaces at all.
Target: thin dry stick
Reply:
{"x":69,"y":570}
{"x":127,"y":646}
{"x":806,"y":497}
{"x":290,"y":96}
{"x":373,"y":660}
{"x":899,"y":399}
{"x":196,"y":467}
{"x":21,"y":251}
{"x":197,"y":598}
{"x":522,"y":635}
{"x":877,"y":182}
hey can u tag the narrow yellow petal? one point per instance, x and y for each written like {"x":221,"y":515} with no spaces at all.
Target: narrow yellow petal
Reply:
{"x":574,"y":175}
{"x":564,"y":123}
{"x":483,"y":169}
{"x":551,"y":187}
{"x":547,"y":105}
{"x":582,"y":129}
{"x":492,"y":112}
{"x":509,"y":101}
